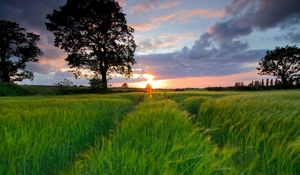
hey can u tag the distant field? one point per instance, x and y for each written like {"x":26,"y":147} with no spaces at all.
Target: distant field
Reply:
{"x":29,"y":90}
{"x":189,"y":132}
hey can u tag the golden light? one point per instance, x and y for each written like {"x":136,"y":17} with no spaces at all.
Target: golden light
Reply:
{"x":150,"y":80}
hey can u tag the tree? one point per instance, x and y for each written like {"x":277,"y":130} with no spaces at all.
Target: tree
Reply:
{"x":148,"y":88}
{"x":283,"y":62}
{"x":96,"y":37}
{"x":64,"y":83}
{"x":95,"y":83}
{"x":124,"y":85}
{"x":16,"y":49}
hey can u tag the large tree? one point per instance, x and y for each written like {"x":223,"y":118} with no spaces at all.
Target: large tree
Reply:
{"x":96,"y":37}
{"x":283,"y":62}
{"x":16,"y":49}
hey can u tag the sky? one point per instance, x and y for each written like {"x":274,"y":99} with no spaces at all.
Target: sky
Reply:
{"x":180,"y":43}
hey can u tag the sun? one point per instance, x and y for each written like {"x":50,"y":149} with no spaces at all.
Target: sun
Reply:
{"x":150,"y":79}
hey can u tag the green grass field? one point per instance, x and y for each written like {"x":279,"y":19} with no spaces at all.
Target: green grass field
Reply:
{"x":189,"y":132}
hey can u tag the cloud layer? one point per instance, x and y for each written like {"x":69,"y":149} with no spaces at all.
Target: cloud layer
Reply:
{"x":222,"y":49}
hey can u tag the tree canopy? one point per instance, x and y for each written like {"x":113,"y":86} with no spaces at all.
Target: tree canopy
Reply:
{"x":96,"y":37}
{"x":16,"y":49}
{"x":283,"y":62}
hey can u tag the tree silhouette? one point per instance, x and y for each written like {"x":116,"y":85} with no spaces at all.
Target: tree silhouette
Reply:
{"x":16,"y":49}
{"x":283,"y":62}
{"x":148,"y":88}
{"x":96,"y":37}
{"x":124,"y":85}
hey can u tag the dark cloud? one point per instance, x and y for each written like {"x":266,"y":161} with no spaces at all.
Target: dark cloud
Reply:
{"x":29,"y":13}
{"x":244,"y":16}
{"x":264,"y":14}
{"x":60,"y":75}
{"x":171,"y":65}
{"x":39,"y":68}
{"x":293,"y":37}
{"x":221,"y":51}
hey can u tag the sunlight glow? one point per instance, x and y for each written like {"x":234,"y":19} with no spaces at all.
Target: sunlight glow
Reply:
{"x":150,"y":79}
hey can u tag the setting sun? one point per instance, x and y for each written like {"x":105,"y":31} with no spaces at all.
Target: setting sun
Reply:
{"x":149,"y":80}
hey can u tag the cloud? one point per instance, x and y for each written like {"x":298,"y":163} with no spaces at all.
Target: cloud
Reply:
{"x":150,"y":5}
{"x":222,"y":42}
{"x":153,"y":23}
{"x":205,"y":13}
{"x":181,"y":16}
{"x":122,"y":3}
{"x":163,"y":42}
{"x":39,"y":68}
{"x":29,"y":13}
{"x":264,"y":14}
{"x":221,"y":50}
{"x":293,"y":37}
{"x":170,"y":65}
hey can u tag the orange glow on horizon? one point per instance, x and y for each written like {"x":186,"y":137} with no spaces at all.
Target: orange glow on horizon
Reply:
{"x":150,"y":80}
{"x":197,"y":82}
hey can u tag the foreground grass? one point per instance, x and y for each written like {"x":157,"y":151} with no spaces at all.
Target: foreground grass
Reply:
{"x":265,"y":127}
{"x":156,"y":138}
{"x":228,"y":133}
{"x":40,"y":135}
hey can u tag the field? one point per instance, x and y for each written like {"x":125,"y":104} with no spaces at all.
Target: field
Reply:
{"x":189,"y":132}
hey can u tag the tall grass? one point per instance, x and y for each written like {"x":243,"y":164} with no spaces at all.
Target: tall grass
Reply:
{"x":156,"y":138}
{"x":181,"y":96}
{"x":264,"y":126}
{"x":191,"y":100}
{"x":40,"y":135}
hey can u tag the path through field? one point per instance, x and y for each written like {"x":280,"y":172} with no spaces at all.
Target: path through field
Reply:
{"x":157,"y":137}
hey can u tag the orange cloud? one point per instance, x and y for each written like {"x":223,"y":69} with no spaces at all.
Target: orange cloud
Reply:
{"x":170,"y":4}
{"x":57,"y":64}
{"x":122,"y":3}
{"x":152,"y":5}
{"x":143,"y":27}
{"x":153,"y":23}
{"x":164,"y":41}
{"x":182,"y":16}
{"x":205,"y":13}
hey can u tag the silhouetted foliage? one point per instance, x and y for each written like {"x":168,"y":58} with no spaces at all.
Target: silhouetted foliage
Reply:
{"x":95,"y":35}
{"x":283,"y":62}
{"x":16,"y":49}
{"x":95,"y":83}
{"x":65,"y":83}
{"x":124,"y":85}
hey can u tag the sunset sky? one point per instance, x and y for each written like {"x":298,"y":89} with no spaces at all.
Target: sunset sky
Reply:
{"x":181,"y":43}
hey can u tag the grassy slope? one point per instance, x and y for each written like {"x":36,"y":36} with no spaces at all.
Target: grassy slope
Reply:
{"x":40,"y":135}
{"x":27,"y":90}
{"x":264,"y":126}
{"x":156,"y":138}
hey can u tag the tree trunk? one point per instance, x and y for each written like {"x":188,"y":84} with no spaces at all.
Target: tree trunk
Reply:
{"x":104,"y":81}
{"x":4,"y":73}
{"x":284,"y":81}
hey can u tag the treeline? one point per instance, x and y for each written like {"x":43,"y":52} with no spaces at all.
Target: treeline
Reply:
{"x":253,"y":87}
{"x":9,"y":89}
